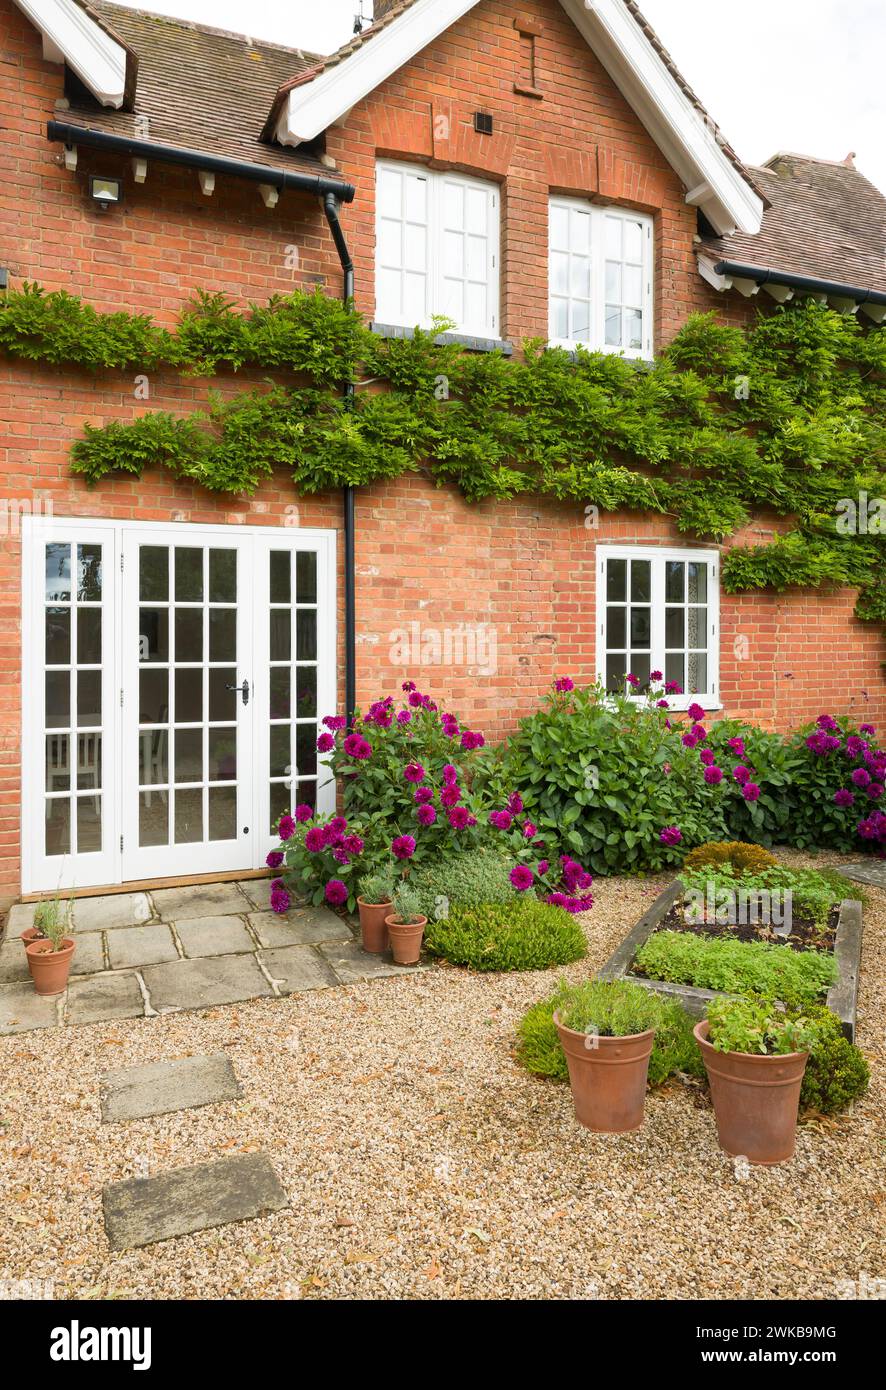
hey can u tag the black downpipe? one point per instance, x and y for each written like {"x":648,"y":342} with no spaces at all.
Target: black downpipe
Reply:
{"x":330,"y":207}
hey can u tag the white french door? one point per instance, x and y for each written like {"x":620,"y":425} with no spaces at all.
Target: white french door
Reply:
{"x":173,"y":680}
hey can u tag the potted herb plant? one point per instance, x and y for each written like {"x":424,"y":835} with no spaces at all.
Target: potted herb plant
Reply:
{"x":606,"y":1029}
{"x":49,"y":956}
{"x":45,"y":915}
{"x":375,"y":902}
{"x":406,"y":926}
{"x":755,"y":1057}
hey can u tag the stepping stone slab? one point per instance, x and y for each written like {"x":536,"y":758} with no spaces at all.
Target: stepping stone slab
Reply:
{"x":161,"y":1087}
{"x":88,"y":958}
{"x":142,"y":1211}
{"x":141,"y":946}
{"x":258,"y":891}
{"x":296,"y":968}
{"x":213,"y":936}
{"x":13,"y":963}
{"x":871,"y":871}
{"x":352,"y":964}
{"x":114,"y":910}
{"x":22,"y":1008}
{"x":98,"y":998}
{"x":304,"y":927}
{"x":198,"y":984}
{"x":199,"y":900}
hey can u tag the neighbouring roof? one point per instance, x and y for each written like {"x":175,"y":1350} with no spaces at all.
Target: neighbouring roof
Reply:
{"x":825,"y":220}
{"x":199,"y":89}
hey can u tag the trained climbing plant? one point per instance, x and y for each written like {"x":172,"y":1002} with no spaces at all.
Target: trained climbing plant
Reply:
{"x":788,"y":416}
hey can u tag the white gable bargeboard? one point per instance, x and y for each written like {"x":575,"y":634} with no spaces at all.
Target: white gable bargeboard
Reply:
{"x":688,"y":142}
{"x":70,"y":35}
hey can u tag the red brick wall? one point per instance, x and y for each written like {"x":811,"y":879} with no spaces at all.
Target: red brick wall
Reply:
{"x":525,"y":568}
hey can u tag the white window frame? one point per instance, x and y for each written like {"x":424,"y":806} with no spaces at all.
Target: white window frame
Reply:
{"x":708,"y":699}
{"x":598,"y":213}
{"x":435,"y":295}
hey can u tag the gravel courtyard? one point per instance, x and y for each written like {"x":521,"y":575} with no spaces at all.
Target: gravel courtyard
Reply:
{"x":421,"y":1162}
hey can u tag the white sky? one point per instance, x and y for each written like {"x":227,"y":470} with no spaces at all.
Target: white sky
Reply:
{"x":798,"y":75}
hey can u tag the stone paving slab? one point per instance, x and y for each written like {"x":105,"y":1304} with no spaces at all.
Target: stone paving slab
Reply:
{"x":99,"y":998}
{"x":131,"y":1093}
{"x":299,"y":927}
{"x":199,"y":900}
{"x":13,"y":963}
{"x":88,"y":957}
{"x":198,"y":984}
{"x":19,"y":918}
{"x":352,"y":964}
{"x":22,"y":1008}
{"x":110,"y":911}
{"x":213,"y":936}
{"x":871,"y":871}
{"x":141,"y":946}
{"x":295,"y":968}
{"x":142,"y":1211}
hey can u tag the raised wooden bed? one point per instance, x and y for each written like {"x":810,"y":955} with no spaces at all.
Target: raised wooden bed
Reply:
{"x":842,"y":997}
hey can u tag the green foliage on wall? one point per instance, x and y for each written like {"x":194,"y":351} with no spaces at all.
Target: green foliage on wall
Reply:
{"x":788,"y":416}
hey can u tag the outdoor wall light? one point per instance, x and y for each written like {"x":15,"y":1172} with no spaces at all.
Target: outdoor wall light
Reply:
{"x":105,"y":191}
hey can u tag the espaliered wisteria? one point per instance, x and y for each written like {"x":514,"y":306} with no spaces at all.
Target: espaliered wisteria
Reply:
{"x":788,"y":416}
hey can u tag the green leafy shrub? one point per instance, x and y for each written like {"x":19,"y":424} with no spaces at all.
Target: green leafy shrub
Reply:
{"x":836,"y":1073}
{"x":737,"y":967}
{"x":674,"y":1048}
{"x":463,"y":880}
{"x":748,"y":1025}
{"x":606,"y":774}
{"x":523,"y":935}
{"x":740,"y":856}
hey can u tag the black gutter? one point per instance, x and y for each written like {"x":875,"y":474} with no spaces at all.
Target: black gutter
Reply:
{"x":764,"y":276}
{"x":330,"y":208}
{"x":317,"y":184}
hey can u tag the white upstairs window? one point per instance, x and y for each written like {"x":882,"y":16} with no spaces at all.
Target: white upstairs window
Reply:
{"x":437,"y":249}
{"x":600,"y":278}
{"x":658,"y":610}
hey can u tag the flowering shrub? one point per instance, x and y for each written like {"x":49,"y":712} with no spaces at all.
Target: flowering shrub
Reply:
{"x":321,"y":859}
{"x":408,"y":770}
{"x":617,"y":782}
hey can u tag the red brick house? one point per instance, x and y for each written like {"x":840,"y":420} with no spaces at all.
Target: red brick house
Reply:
{"x":525,"y":169}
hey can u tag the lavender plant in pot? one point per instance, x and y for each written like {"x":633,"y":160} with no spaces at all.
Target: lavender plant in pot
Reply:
{"x":375,"y":902}
{"x":49,"y":956}
{"x":46,"y":915}
{"x":406,"y":926}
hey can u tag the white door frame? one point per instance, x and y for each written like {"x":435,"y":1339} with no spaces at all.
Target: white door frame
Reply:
{"x":108,"y":868}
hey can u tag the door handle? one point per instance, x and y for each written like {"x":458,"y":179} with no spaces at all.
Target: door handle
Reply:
{"x":244,"y":690}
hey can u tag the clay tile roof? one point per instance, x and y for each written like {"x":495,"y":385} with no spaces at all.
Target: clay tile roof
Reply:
{"x":825,"y":220}
{"x":200,"y":89}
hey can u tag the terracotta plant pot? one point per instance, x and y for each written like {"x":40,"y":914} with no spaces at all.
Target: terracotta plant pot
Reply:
{"x":756,"y":1099}
{"x":406,"y":939}
{"x":608,"y":1077}
{"x":50,"y":969}
{"x":373,"y":930}
{"x":28,"y":935}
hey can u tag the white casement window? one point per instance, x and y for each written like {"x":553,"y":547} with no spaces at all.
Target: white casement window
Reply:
{"x":600,"y":278}
{"x":437,"y":250}
{"x":658,"y":610}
